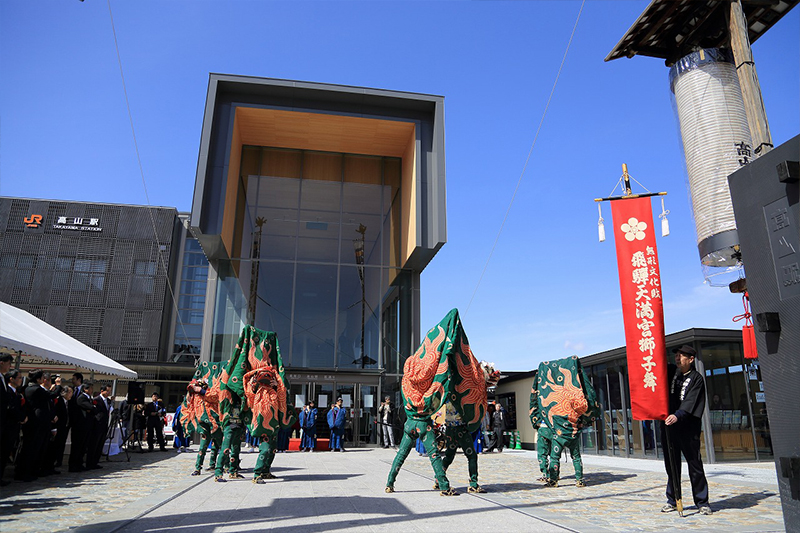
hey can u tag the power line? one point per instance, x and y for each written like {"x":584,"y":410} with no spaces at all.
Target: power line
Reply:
{"x":527,"y":159}
{"x":141,"y":172}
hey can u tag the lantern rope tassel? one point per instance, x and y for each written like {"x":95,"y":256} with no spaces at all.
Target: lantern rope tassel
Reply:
{"x":664,"y":221}
{"x":601,"y":230}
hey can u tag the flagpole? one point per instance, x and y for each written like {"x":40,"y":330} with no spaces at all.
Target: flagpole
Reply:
{"x":676,"y":471}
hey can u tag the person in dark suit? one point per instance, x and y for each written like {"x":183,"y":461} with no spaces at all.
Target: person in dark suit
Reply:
{"x":36,"y":432}
{"x":51,"y":384}
{"x":83,"y":422}
{"x":16,"y":410}
{"x":155,"y":412}
{"x":499,"y":425}
{"x":55,"y":454}
{"x":100,"y":430}
{"x":5,"y":366}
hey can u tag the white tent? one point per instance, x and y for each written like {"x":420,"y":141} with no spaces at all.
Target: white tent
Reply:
{"x":22,"y":332}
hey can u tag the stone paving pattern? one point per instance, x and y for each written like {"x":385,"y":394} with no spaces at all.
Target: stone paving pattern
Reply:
{"x":326,"y":491}
{"x":620,"y":499}
{"x":56,"y":503}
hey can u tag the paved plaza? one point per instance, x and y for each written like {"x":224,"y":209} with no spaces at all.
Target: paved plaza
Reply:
{"x":324,"y":491}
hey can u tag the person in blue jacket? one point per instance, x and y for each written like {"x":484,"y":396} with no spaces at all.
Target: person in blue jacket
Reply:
{"x":308,"y":423}
{"x":336,"y":419}
{"x":181,"y":441}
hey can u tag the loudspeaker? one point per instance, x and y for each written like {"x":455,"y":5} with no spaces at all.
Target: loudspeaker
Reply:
{"x":135,"y":393}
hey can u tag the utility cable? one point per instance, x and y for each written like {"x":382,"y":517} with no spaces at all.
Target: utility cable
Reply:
{"x":141,"y":172}
{"x":527,"y":159}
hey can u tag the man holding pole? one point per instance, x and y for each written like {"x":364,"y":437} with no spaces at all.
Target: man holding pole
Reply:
{"x":680,"y":432}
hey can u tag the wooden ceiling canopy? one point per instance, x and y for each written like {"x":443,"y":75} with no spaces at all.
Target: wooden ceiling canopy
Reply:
{"x":671,"y":29}
{"x":323,"y":132}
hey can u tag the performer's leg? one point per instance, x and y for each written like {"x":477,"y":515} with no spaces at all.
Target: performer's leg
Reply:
{"x":464,"y":439}
{"x":223,"y":459}
{"x":313,"y":438}
{"x":216,"y":446}
{"x":543,"y":446}
{"x":451,"y":443}
{"x":272,"y":443}
{"x":690,"y":446}
{"x":261,"y":461}
{"x":429,"y":441}
{"x":554,"y":469}
{"x":406,"y":445}
{"x":236,"y":448}
{"x":205,"y":438}
{"x":575,"y":452}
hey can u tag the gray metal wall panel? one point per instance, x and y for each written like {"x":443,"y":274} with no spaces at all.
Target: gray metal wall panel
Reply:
{"x":57,"y":316}
{"x":112,"y":326}
{"x":72,"y":278}
{"x":42,"y":286}
{"x":752,"y":188}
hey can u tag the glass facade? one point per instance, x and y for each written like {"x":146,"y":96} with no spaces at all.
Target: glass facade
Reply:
{"x":317,"y":243}
{"x":191,"y":298}
{"x":735,"y":426}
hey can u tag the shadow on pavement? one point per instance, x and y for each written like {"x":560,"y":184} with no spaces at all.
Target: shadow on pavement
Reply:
{"x":282,"y":509}
{"x":37,"y":504}
{"x":116,"y":467}
{"x":321,"y":477}
{"x":742,"y":501}
{"x":510,"y":487}
{"x":601,"y":478}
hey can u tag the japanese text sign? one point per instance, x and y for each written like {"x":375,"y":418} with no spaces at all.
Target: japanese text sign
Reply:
{"x":642,"y":309}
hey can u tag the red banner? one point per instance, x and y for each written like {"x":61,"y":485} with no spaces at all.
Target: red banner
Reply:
{"x":642,"y":308}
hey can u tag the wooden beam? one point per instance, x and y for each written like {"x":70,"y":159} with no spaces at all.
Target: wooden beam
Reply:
{"x":748,"y":80}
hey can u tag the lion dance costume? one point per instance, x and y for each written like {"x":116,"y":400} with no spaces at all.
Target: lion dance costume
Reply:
{"x":254,"y":382}
{"x":563,"y":402}
{"x":457,"y":435}
{"x":200,"y":411}
{"x":443,"y":369}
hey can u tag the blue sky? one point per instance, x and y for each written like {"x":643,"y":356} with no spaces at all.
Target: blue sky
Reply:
{"x":551,"y":289}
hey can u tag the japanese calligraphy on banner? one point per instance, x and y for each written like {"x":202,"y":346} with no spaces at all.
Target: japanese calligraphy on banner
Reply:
{"x":642,"y":309}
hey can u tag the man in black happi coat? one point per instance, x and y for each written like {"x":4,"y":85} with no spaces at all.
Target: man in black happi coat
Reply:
{"x":687,"y":401}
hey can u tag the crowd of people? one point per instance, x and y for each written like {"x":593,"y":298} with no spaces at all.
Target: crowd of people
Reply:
{"x":491,"y":437}
{"x":37,"y":417}
{"x":39,"y":413}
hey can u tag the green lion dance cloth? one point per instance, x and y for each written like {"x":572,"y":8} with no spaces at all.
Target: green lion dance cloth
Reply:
{"x":563,"y":401}
{"x":200,"y":411}
{"x":442,"y":369}
{"x":255,"y":392}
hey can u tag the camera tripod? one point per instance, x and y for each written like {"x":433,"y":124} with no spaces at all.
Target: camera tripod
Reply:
{"x":116,"y":425}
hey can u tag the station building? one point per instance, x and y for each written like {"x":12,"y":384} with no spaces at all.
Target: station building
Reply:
{"x":102,"y":273}
{"x":735,"y":424}
{"x":317,"y":207}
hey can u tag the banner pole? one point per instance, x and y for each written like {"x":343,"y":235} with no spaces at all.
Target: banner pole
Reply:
{"x":675,"y":466}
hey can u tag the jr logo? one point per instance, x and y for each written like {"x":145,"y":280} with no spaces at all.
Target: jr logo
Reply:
{"x":33,"y":221}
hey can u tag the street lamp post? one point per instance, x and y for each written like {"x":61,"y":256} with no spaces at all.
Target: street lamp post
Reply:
{"x":358,"y":245}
